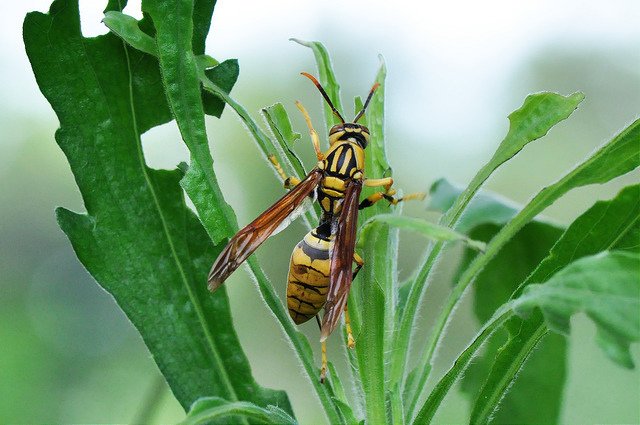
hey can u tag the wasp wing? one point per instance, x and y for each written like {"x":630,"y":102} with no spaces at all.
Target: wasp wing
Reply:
{"x":341,"y":272}
{"x":249,"y":238}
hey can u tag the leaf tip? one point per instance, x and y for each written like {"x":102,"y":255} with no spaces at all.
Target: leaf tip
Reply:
{"x":301,"y":42}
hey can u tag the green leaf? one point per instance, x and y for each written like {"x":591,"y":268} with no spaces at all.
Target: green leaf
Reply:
{"x":378,"y":164}
{"x":484,"y":208}
{"x":495,"y":284}
{"x":538,"y":114}
{"x":280,"y":125}
{"x":606,"y":287}
{"x":178,"y":66}
{"x":224,"y":74}
{"x":339,"y":396}
{"x":126,"y":27}
{"x":327,"y":79}
{"x":427,"y":229}
{"x":278,"y":121}
{"x":617,"y":157}
{"x":377,"y":299}
{"x":606,"y":225}
{"x":138,"y":238}
{"x":218,"y":410}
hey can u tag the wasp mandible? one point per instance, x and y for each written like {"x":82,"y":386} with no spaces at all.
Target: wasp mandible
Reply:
{"x":321,"y":268}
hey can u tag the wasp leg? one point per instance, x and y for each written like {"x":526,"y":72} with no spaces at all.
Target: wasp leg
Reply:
{"x":289,"y":182}
{"x":387,"y":194}
{"x":387,"y":182}
{"x":314,"y":135}
{"x":323,"y":368}
{"x":351,"y":343}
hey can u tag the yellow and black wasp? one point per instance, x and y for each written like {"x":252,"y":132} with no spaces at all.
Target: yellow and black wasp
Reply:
{"x":320,"y":272}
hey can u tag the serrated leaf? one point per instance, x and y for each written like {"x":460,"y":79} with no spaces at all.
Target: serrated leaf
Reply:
{"x":218,"y":410}
{"x":130,"y":31}
{"x":606,"y":225}
{"x":606,"y":287}
{"x":138,"y":238}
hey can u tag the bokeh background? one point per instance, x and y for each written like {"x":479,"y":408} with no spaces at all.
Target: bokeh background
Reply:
{"x":456,"y":70}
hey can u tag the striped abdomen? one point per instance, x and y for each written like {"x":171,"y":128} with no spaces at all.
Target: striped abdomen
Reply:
{"x":308,"y":281}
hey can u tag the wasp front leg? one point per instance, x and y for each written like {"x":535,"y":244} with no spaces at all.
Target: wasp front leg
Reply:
{"x":388,"y":193}
{"x":312,"y":132}
{"x":289,"y":182}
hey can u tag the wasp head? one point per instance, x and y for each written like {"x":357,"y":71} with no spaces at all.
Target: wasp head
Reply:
{"x":349,"y":131}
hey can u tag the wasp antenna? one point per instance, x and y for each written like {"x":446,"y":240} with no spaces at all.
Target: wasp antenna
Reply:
{"x":366,"y":103}
{"x":324,"y":94}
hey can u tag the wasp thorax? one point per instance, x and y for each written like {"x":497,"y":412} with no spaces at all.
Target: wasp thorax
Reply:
{"x":349,"y":132}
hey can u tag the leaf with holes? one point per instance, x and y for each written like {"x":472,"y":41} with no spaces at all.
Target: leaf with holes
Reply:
{"x":138,"y":239}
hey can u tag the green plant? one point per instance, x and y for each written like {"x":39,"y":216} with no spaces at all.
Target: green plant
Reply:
{"x":143,"y":245}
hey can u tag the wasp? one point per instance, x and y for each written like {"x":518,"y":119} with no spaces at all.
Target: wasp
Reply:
{"x":321,"y":267}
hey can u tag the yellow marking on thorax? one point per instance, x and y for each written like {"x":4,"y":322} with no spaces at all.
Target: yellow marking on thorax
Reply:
{"x":334,"y":164}
{"x":359,"y":152}
{"x":345,"y":163}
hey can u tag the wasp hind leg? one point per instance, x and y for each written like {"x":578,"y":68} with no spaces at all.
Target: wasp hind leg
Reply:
{"x":323,"y":368}
{"x":351,"y":342}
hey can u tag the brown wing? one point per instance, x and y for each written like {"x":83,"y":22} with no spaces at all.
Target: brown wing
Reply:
{"x":249,"y":238}
{"x":342,"y":259}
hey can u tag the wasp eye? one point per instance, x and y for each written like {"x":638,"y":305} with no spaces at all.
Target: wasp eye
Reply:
{"x":335,"y":129}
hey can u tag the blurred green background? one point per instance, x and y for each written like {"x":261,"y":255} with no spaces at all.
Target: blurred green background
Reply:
{"x":67,"y":354}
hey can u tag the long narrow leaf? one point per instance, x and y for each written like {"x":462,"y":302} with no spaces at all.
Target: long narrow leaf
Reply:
{"x":181,"y":69}
{"x":426,"y":228}
{"x":543,"y":377}
{"x":327,"y":79}
{"x":615,"y":158}
{"x":539,"y":113}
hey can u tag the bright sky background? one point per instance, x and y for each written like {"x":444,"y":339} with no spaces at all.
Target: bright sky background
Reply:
{"x":447,"y":61}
